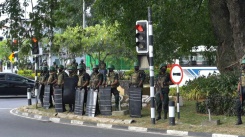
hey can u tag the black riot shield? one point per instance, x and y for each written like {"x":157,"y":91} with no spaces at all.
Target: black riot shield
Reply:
{"x":135,"y":101}
{"x":46,"y":98}
{"x":40,"y":90}
{"x":79,"y":101}
{"x":58,"y":101}
{"x":105,"y":101}
{"x":69,"y":90}
{"x":91,"y":102}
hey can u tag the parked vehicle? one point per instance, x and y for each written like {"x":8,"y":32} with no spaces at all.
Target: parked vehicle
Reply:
{"x":15,"y":85}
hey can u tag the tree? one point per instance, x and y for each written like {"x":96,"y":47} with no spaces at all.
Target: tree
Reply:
{"x":97,"y":41}
{"x":173,"y":28}
{"x":5,"y":51}
{"x":74,"y":10}
{"x":229,"y":26}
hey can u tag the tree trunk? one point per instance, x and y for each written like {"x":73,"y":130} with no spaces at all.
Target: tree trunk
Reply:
{"x":228,"y":19}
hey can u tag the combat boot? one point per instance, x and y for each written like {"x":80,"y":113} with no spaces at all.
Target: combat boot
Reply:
{"x":41,"y":101}
{"x":165,"y":115}
{"x":239,"y":121}
{"x":116,"y":107}
{"x":159,"y":116}
{"x":71,"y":108}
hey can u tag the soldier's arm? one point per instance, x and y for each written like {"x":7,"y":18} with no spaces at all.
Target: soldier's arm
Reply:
{"x":169,"y":81}
{"x":115,"y":80}
{"x":100,"y":80}
{"x":55,"y":79}
{"x":86,"y":76}
{"x":142,"y":78}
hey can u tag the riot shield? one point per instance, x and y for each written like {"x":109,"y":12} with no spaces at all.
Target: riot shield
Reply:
{"x":69,"y":90}
{"x":79,"y":101}
{"x":40,"y":90}
{"x":58,"y":101}
{"x":135,"y":101}
{"x":46,"y":98}
{"x":91,"y":102}
{"x":105,"y":101}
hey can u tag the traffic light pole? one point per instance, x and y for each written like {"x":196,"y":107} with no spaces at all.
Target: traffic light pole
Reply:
{"x":151,"y":68}
{"x":36,"y":83}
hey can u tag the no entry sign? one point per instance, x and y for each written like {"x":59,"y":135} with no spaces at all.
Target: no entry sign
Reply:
{"x":176,"y":74}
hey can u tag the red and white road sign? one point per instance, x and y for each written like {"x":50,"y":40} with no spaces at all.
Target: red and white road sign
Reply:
{"x":176,"y":74}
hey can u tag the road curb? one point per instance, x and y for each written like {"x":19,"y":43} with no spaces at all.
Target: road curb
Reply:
{"x":120,"y":127}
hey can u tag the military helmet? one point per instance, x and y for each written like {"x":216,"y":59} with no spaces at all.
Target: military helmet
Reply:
{"x":136,"y":64}
{"x":243,"y":61}
{"x":51,"y":68}
{"x":80,"y":67}
{"x":95,"y":66}
{"x":111,"y":67}
{"x":45,"y":68}
{"x":61,"y":66}
{"x":162,"y":65}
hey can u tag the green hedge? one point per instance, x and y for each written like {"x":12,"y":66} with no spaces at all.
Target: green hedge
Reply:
{"x":27,"y":73}
{"x":217,"y":92}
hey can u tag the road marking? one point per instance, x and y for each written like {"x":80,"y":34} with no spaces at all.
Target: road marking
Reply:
{"x":6,"y":108}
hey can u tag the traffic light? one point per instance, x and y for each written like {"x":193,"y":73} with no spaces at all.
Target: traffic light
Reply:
{"x":141,"y":36}
{"x":35,"y":48}
{"x":11,"y":57}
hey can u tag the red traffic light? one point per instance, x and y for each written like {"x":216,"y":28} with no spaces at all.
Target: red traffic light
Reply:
{"x":34,"y":39}
{"x":139,"y":28}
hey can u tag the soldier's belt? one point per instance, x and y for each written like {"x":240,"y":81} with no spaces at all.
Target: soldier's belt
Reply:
{"x":165,"y":87}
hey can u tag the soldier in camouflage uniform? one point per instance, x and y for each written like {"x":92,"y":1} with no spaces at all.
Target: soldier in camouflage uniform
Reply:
{"x":82,"y":63}
{"x":138,"y":77}
{"x":95,"y":82}
{"x":43,"y":80}
{"x":61,"y":76}
{"x":74,"y":63}
{"x":241,"y":93}
{"x":60,"y":81}
{"x":162,"y":83}
{"x":83,"y":82}
{"x":72,"y":73}
{"x":112,"y":80}
{"x":51,"y":81}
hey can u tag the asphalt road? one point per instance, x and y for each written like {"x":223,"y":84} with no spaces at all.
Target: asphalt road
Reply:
{"x":15,"y":126}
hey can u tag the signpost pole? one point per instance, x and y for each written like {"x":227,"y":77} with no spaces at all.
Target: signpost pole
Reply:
{"x":178,"y":108}
{"x":176,"y":76}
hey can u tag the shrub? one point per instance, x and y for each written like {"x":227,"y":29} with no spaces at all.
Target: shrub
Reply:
{"x":27,"y":73}
{"x":217,"y":90}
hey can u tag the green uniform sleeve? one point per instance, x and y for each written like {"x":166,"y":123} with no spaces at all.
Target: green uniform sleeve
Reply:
{"x":142,"y":75}
{"x":116,"y":77}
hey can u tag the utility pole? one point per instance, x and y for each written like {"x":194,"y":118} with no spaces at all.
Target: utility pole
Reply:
{"x":84,"y":15}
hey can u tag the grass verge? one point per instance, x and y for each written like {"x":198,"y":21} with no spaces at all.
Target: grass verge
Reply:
{"x":189,"y":120}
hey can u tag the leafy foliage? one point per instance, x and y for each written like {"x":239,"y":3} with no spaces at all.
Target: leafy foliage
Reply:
{"x":173,"y":28}
{"x":217,"y":90}
{"x":97,"y":41}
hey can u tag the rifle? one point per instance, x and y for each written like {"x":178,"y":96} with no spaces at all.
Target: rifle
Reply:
{"x":161,"y":95}
{"x":240,"y":89}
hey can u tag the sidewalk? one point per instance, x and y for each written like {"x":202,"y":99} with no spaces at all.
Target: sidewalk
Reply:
{"x":101,"y":122}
